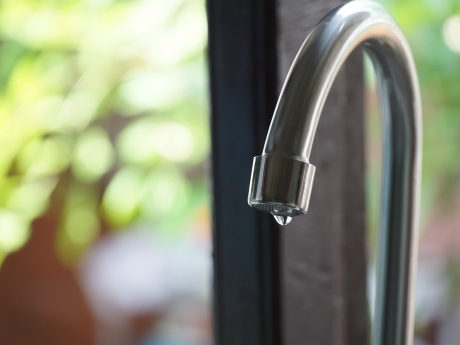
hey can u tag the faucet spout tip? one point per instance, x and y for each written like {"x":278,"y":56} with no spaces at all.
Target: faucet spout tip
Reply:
{"x":282,"y":220}
{"x":281,"y":186}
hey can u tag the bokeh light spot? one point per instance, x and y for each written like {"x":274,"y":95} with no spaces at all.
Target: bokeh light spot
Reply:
{"x":173,"y":141}
{"x":166,"y":192}
{"x":14,"y":230}
{"x":93,"y":155}
{"x":31,"y":197}
{"x":121,"y":197}
{"x":157,"y":90}
{"x":81,"y":225}
{"x":76,"y":112}
{"x":451,"y":33}
{"x":134,"y":142}
{"x":41,"y":157}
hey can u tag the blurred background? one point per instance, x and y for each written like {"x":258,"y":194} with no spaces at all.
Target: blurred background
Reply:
{"x":104,"y":195}
{"x":104,"y":181}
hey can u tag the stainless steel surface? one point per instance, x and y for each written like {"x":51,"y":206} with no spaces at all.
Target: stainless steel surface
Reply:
{"x":281,"y":186}
{"x":282,"y":177}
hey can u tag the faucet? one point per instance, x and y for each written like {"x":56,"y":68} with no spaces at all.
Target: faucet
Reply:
{"x":282,"y":177}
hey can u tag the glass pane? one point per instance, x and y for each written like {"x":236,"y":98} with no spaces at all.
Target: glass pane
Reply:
{"x":104,"y":191}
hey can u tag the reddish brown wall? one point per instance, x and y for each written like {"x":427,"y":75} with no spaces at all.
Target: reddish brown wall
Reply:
{"x":41,"y":302}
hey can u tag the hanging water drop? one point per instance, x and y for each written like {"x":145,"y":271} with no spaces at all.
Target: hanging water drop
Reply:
{"x":283,"y":220}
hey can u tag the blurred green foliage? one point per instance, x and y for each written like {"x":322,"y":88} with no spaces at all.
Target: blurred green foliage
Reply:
{"x":103,"y":117}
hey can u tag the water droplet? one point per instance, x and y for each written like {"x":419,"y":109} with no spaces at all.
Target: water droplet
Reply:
{"x":283,"y":220}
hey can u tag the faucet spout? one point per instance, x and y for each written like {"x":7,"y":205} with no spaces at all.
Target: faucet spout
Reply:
{"x":282,"y":177}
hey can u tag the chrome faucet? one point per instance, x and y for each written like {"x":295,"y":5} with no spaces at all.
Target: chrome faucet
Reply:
{"x":282,"y":176}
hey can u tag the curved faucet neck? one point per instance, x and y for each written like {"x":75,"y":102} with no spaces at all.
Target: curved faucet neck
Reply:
{"x":320,"y":59}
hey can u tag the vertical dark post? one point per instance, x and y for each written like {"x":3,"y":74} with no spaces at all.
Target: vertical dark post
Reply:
{"x":242,"y":51}
{"x":304,"y":283}
{"x":324,"y":262}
